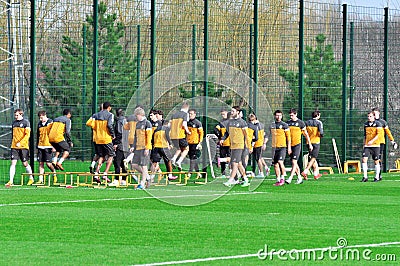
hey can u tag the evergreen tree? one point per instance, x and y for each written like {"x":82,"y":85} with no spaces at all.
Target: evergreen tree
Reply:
{"x":322,"y":90}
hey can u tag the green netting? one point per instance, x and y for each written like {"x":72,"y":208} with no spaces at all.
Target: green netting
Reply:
{"x":64,"y":35}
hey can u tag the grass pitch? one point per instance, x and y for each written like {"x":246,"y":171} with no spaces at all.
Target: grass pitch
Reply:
{"x":54,"y":226}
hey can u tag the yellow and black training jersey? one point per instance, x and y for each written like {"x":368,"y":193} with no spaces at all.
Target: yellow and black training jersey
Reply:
{"x":60,"y":126}
{"x":297,"y":128}
{"x":315,"y":130}
{"x":252,"y":134}
{"x":161,"y":137}
{"x":261,"y":135}
{"x":177,"y":125}
{"x":236,"y":130}
{"x":197,"y":133}
{"x":21,"y":130}
{"x":280,"y":134}
{"x":43,"y":130}
{"x":143,"y":132}
{"x":131,"y":127}
{"x":371,"y":130}
{"x":90,"y":123}
{"x":220,"y":131}
{"x":386,"y":129}
{"x":102,"y":126}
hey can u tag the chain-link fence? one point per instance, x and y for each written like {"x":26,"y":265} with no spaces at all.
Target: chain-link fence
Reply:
{"x":136,"y":39}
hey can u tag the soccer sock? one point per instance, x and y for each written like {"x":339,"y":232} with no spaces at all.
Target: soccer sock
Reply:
{"x":12,"y":173}
{"x":54,"y":160}
{"x":316,"y":172}
{"x":180,"y":160}
{"x":174,"y":158}
{"x":29,"y":171}
{"x":365,"y":169}
{"x":305,"y":171}
{"x":61,"y":160}
{"x":377,"y":170}
{"x":245,"y":179}
{"x":92,"y":164}
{"x":130,"y":157}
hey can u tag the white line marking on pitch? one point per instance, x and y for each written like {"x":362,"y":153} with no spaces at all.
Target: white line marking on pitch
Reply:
{"x":256,"y":255}
{"x":122,"y":199}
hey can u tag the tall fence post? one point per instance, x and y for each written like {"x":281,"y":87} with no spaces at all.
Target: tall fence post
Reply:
{"x":351,"y":83}
{"x":83,"y":90}
{"x":152,"y":49}
{"x":344,"y":84}
{"x":301,"y":70}
{"x":193,"y":63}
{"x":138,"y":58}
{"x":255,"y":60}
{"x":386,"y":80}
{"x":301,"y":60}
{"x":251,"y":87}
{"x":206,"y":13}
{"x":95,"y":54}
{"x":32,"y":93}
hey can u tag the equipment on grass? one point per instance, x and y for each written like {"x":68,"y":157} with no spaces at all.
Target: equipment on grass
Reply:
{"x":212,"y":148}
{"x":338,"y":163}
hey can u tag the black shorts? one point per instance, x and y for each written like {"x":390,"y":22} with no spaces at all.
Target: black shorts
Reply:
{"x":381,"y":150}
{"x":180,"y":143}
{"x":224,"y":151}
{"x":106,"y":150}
{"x":295,"y":152}
{"x":96,"y":149}
{"x":279,"y":155}
{"x":314,"y":153}
{"x":257,"y":153}
{"x":20,"y":154}
{"x":164,"y":153}
{"x":373,"y":151}
{"x":139,"y":158}
{"x":44,"y":155}
{"x":194,"y":153}
{"x":155,"y":157}
{"x":61,"y":146}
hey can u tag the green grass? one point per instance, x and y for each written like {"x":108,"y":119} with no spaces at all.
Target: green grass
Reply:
{"x":124,"y":227}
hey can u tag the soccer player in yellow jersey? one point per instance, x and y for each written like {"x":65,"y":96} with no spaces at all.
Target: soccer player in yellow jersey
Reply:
{"x":224,"y":149}
{"x":21,"y":130}
{"x":60,"y":138}
{"x":178,"y":133}
{"x":194,"y":140}
{"x":142,"y":147}
{"x":315,"y":130}
{"x":259,"y":146}
{"x":297,"y":128}
{"x":103,"y":128}
{"x":382,"y":140}
{"x":280,"y":134}
{"x":44,"y":147}
{"x":373,"y":132}
{"x":237,"y":132}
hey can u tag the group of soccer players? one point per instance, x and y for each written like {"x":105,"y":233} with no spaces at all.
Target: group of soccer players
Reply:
{"x":151,"y":141}
{"x":239,"y":138}
{"x":52,"y":136}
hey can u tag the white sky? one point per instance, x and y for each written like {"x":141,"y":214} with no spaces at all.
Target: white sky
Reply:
{"x":394,"y":4}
